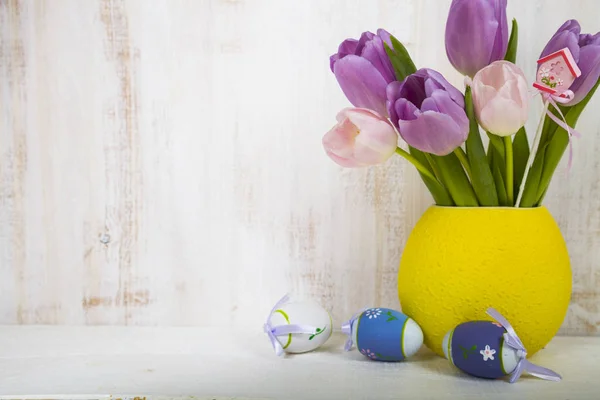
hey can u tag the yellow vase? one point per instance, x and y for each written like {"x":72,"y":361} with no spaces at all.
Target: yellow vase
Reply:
{"x":458,"y":261}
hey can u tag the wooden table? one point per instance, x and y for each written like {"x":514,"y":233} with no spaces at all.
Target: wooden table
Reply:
{"x":125,"y":362}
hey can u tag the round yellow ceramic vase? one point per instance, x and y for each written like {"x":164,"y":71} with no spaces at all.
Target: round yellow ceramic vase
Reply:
{"x":458,"y":261}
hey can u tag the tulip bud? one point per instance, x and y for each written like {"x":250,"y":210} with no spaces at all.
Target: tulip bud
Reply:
{"x":500,"y":98}
{"x":363,"y":70}
{"x":360,"y":138}
{"x":476,"y":34}
{"x":585,"y":49}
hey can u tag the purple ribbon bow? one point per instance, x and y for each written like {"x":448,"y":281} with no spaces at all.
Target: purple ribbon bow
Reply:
{"x":274,"y":331}
{"x":512,"y":340}
{"x":347,"y":328}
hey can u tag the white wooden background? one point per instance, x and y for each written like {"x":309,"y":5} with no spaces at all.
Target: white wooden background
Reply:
{"x":161,"y":161}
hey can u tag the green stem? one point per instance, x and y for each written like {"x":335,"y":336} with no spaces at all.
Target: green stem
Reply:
{"x":508,"y":150}
{"x":434,"y":167}
{"x":415,"y":162}
{"x":460,"y":153}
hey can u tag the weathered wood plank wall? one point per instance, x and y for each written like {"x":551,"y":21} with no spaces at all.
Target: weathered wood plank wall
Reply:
{"x":160,"y":161}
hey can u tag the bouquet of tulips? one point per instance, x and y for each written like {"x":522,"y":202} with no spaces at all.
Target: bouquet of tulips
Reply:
{"x":443,"y":127}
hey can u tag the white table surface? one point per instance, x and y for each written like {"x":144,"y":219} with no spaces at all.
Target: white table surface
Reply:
{"x":200,"y":363}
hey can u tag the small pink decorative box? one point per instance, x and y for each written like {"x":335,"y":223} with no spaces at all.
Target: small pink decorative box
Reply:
{"x":556,"y":72}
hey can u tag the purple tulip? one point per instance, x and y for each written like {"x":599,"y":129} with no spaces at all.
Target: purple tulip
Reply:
{"x":476,"y":34}
{"x":363,"y":70}
{"x":428,"y":112}
{"x":585,"y":49}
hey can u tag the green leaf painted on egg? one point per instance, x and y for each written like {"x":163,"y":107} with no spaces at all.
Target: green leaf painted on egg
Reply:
{"x":318,"y":331}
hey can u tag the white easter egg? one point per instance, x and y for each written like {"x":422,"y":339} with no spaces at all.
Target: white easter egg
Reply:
{"x":302,"y":313}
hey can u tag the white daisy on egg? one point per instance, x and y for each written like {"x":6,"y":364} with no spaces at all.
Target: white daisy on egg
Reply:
{"x":373,"y":313}
{"x":487,"y":353}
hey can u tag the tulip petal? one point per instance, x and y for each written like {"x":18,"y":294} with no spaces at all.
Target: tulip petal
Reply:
{"x":482,"y":94}
{"x":385,"y":36}
{"x":454,"y":93}
{"x":364,"y":119}
{"x":566,"y":36}
{"x":375,"y":52}
{"x":340,"y":139}
{"x":345,"y":48}
{"x":365,"y":37}
{"x":341,"y":161}
{"x":501,"y":116}
{"x":376,"y":146}
{"x":362,"y":84}
{"x":432,"y":132}
{"x":501,"y":38}
{"x":476,"y":34}
{"x":447,"y":106}
{"x":405,"y":110}
{"x":589,"y":63}
{"x":360,"y":138}
{"x":432,"y":85}
{"x":429,"y":104}
{"x":588,"y":39}
{"x":515,"y":90}
{"x":413,"y":89}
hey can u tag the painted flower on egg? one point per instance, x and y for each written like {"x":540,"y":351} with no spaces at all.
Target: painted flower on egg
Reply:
{"x":373,"y":313}
{"x":369,"y":354}
{"x":488,"y":353}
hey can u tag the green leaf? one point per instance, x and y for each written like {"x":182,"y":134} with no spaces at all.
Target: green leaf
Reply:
{"x":498,"y":144}
{"x":400,"y":59}
{"x":474,"y":347}
{"x":498,"y":179}
{"x":521,"y":155}
{"x":438,"y":191}
{"x":531,"y":185}
{"x":396,"y":62}
{"x":453,"y":177}
{"x":559,"y":141}
{"x":511,"y":51}
{"x":481,"y":174}
{"x":318,"y":329}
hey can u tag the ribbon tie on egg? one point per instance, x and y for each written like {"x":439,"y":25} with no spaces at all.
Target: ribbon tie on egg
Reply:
{"x":274,"y":331}
{"x":347,"y":328}
{"x":512,"y":340}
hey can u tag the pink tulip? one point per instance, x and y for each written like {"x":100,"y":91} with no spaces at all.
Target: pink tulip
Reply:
{"x":360,"y":138}
{"x":500,"y":98}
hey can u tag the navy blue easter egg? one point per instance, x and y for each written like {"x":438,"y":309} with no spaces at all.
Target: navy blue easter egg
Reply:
{"x":383,"y":334}
{"x":478,"y":348}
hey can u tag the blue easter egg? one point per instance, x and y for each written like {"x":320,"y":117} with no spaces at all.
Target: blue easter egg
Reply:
{"x":478,"y":348}
{"x":383,"y":334}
